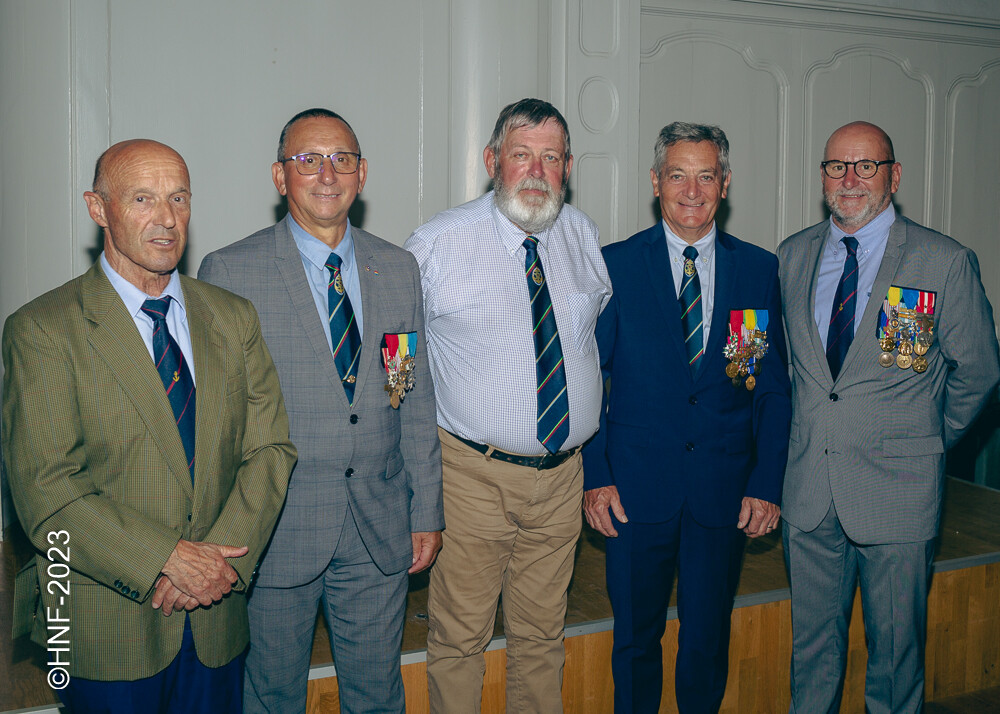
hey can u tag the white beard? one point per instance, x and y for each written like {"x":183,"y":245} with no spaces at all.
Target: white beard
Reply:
{"x":535,"y":216}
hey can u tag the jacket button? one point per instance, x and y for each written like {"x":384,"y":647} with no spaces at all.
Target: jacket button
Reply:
{"x":118,"y":584}
{"x":689,"y":446}
{"x":354,"y":418}
{"x":135,"y":594}
{"x":692,"y":400}
{"x":349,"y":473}
{"x":189,"y":516}
{"x":834,"y":397}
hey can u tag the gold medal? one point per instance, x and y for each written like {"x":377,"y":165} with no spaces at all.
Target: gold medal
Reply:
{"x":919,"y":364}
{"x":689,"y":267}
{"x":394,"y":400}
{"x":751,"y":383}
{"x":886,"y":359}
{"x":536,"y":276}
{"x":920,"y":348}
{"x":744,"y":370}
{"x":903,"y":361}
{"x":894,"y":323}
{"x":887,"y":343}
{"x":338,"y":285}
{"x":925,"y":339}
{"x":905,"y":347}
{"x":732,"y":369}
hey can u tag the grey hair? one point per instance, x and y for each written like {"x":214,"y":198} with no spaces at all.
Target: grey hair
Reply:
{"x":683,"y":131}
{"x":309,"y":114}
{"x":527,"y":112}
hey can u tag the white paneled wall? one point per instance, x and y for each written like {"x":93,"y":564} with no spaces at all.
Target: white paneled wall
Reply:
{"x":422,"y":82}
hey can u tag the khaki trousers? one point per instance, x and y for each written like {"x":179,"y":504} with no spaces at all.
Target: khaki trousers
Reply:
{"x":511,"y":531}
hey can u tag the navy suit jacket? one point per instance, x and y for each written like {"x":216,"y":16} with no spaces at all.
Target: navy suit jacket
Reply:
{"x":668,"y":437}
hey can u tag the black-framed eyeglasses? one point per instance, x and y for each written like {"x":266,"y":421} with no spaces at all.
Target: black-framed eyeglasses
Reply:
{"x":864,"y":168}
{"x":343,"y":162}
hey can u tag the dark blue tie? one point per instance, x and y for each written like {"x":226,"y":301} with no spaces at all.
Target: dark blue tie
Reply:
{"x":550,"y":374}
{"x":690,"y":300}
{"x":344,"y":331}
{"x":174,"y":374}
{"x":841,"y":331}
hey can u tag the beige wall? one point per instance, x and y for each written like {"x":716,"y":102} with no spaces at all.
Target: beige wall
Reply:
{"x":422,"y":83}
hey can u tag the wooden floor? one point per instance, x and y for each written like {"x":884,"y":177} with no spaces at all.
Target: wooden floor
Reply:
{"x":970,"y":530}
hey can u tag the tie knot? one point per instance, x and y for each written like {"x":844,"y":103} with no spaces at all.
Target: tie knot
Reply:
{"x":530,"y":243}
{"x":333,"y":262}
{"x":156,"y":308}
{"x":851,"y":243}
{"x":690,"y":252}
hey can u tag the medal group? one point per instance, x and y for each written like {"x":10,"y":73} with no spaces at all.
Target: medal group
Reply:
{"x":906,"y":328}
{"x":746,"y":346}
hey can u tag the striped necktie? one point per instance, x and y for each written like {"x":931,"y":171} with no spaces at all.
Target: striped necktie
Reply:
{"x":174,"y":374}
{"x":841,"y":331}
{"x":550,"y":373}
{"x":690,"y":300}
{"x":344,"y":332}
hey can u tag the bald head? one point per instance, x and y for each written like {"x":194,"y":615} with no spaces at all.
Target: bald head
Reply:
{"x":859,"y":129}
{"x":142,"y":200}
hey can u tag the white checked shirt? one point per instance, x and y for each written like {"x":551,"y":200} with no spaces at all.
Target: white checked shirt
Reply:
{"x":478,"y":321}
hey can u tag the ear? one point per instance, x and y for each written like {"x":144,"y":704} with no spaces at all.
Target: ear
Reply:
{"x":490,"y":159}
{"x":278,"y":176}
{"x":95,"y":207}
{"x":897,"y":174}
{"x":362,"y":174}
{"x":569,"y":167}
{"x":656,"y":182}
{"x":725,"y":184}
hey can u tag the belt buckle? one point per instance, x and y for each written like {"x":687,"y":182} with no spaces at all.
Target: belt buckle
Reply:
{"x":548,"y":461}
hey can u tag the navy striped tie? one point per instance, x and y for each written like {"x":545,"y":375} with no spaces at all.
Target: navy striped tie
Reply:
{"x":550,"y":373}
{"x":344,"y":331}
{"x":690,"y":300}
{"x":841,"y":331}
{"x":174,"y":374}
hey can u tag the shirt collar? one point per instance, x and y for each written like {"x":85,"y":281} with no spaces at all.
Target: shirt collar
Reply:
{"x":134,"y":298}
{"x":704,"y":245}
{"x":869,"y":235}
{"x":511,"y":236}
{"x":316,"y":251}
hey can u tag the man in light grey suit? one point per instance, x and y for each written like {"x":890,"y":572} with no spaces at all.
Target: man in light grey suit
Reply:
{"x":364,"y":503}
{"x":894,"y":353}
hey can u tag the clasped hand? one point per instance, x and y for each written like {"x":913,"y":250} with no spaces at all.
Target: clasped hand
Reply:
{"x":195,"y":574}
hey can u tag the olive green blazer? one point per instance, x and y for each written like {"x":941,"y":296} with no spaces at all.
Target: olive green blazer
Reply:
{"x":100,"y":481}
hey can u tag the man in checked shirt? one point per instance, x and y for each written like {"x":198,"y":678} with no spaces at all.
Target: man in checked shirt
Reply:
{"x":513,"y":284}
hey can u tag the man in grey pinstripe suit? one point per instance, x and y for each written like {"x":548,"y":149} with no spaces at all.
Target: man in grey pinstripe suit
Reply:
{"x":894,"y":353}
{"x":364,"y":508}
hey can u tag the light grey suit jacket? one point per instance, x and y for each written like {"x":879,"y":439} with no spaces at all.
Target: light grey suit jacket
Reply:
{"x":873,"y":441}
{"x":385,"y":462}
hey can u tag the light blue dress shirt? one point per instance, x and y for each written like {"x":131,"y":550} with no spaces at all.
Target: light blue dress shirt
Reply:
{"x":872,"y":239}
{"x":177,"y":323}
{"x":704,"y":264}
{"x":314,"y":253}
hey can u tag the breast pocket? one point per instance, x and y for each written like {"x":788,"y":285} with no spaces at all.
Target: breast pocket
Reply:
{"x":584,"y":307}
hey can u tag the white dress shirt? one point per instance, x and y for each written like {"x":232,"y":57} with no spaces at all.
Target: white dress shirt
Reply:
{"x":479,"y":324}
{"x":177,"y":323}
{"x":704,"y":264}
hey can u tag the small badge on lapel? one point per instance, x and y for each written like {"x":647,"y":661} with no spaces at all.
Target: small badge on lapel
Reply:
{"x":906,"y":326}
{"x":746,"y":346}
{"x":398,"y":351}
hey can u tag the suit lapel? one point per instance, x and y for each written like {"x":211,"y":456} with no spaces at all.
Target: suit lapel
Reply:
{"x":725,"y":276}
{"x":661,"y":283}
{"x":371,"y":343}
{"x":210,"y":373}
{"x":116,"y":340}
{"x":288,"y":263}
{"x":820,"y":362}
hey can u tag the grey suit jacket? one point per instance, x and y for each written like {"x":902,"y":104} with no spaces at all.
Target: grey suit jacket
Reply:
{"x":385,"y":462}
{"x":873,"y":441}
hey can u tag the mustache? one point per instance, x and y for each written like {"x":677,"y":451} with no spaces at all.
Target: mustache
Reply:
{"x":530,"y":183}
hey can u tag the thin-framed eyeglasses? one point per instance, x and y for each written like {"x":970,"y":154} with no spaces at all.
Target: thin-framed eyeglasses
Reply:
{"x":864,"y":168}
{"x":343,"y":162}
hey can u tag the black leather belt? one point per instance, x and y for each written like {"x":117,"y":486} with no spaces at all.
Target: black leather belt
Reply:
{"x":548,"y":461}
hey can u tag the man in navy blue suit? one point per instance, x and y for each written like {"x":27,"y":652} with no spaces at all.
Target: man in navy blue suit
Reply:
{"x":691,"y":452}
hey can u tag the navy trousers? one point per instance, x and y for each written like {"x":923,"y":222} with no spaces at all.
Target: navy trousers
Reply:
{"x":641,"y":563}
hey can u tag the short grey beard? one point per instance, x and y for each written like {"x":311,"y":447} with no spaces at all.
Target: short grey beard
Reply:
{"x":532,"y":219}
{"x":862,"y":219}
